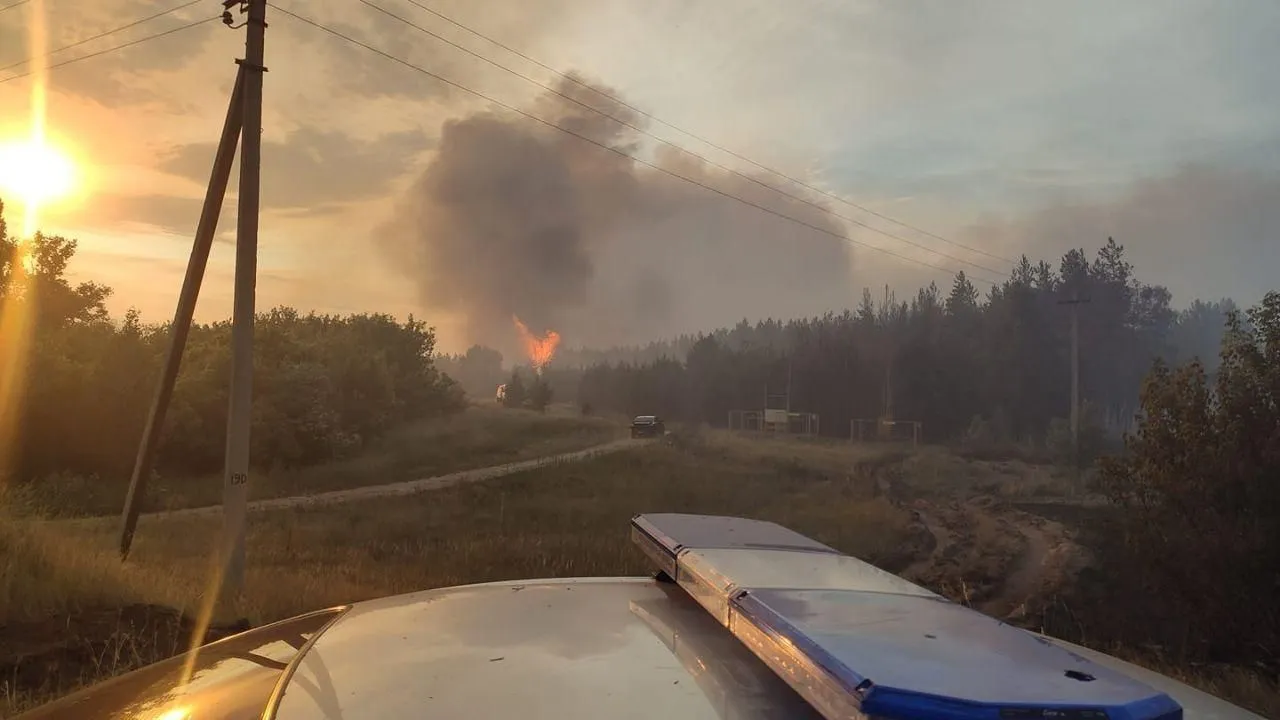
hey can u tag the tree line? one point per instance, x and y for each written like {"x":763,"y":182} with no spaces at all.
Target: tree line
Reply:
{"x":324,"y":386}
{"x":962,"y":362}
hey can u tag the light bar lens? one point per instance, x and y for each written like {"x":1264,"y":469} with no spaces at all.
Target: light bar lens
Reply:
{"x":855,"y":641}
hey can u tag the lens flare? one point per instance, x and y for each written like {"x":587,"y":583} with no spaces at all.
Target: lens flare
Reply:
{"x":16,"y":315}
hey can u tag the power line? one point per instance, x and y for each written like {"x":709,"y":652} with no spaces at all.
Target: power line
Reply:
{"x":100,"y":35}
{"x":703,"y":140}
{"x":668,"y":143}
{"x":616,"y":151}
{"x":13,"y":5}
{"x":112,"y":49}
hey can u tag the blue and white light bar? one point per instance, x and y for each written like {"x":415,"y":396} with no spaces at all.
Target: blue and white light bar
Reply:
{"x":857,"y":642}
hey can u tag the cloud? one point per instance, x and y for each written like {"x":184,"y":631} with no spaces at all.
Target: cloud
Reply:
{"x":120,"y":77}
{"x":313,"y":168}
{"x":167,"y":213}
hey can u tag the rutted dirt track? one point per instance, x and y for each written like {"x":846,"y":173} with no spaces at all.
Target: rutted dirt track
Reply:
{"x":985,"y":553}
{"x":413,"y":487}
{"x":410,"y":487}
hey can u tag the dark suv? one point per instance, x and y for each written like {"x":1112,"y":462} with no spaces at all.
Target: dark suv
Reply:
{"x":648,"y":426}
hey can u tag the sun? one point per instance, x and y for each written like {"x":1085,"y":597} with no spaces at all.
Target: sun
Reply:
{"x":35,"y":172}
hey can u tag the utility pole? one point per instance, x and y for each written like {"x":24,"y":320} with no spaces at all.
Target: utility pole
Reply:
{"x":788,"y":384}
{"x":243,"y":122}
{"x":182,"y":317}
{"x":1075,"y":302}
{"x":888,"y":386}
{"x":890,"y":351}
{"x":235,"y":494}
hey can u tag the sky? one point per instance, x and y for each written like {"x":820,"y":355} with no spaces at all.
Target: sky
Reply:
{"x":1007,"y":127}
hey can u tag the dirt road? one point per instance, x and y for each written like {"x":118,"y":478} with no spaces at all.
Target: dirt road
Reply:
{"x":409,"y":487}
{"x":985,"y":553}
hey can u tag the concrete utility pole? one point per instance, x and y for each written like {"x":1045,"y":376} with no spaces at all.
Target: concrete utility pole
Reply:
{"x":235,"y":495}
{"x":181,"y":327}
{"x":244,"y":120}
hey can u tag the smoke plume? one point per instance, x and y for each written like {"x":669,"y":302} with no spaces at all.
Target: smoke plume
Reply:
{"x":511,"y":217}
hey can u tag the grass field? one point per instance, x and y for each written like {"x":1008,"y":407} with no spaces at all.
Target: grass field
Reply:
{"x":566,"y":520}
{"x":555,"y":521}
{"x":481,"y":436}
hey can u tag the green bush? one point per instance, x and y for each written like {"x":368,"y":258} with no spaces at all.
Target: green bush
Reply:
{"x":1198,"y":535}
{"x":324,"y":386}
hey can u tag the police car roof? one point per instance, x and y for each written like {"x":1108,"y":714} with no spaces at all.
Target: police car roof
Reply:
{"x":580,"y":648}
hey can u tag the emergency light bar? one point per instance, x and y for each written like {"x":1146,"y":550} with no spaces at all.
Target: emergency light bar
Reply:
{"x":856,"y":641}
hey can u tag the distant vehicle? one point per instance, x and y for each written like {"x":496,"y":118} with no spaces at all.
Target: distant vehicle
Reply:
{"x":648,"y":426}
{"x":743,"y":619}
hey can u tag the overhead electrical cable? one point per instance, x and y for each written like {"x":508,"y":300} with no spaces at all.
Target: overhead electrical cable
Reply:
{"x":452,"y":83}
{"x":101,"y":35}
{"x":702,"y":158}
{"x":112,"y":49}
{"x":727,"y":151}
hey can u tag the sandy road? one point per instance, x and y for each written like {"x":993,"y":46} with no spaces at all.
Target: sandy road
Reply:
{"x":408,"y":487}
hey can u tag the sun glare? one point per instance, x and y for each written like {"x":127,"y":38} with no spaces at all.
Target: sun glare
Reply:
{"x":35,"y":172}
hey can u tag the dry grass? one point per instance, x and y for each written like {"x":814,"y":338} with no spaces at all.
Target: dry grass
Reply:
{"x":1244,"y":687}
{"x":815,"y":456}
{"x":69,"y":614}
{"x":479,"y":437}
{"x":938,"y":471}
{"x":558,"y":521}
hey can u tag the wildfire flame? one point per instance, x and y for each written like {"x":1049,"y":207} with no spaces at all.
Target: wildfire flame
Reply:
{"x":539,"y":349}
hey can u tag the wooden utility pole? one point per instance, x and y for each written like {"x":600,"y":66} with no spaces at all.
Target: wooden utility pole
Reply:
{"x":888,"y":386}
{"x":244,"y":121}
{"x":235,"y":494}
{"x":788,"y":383}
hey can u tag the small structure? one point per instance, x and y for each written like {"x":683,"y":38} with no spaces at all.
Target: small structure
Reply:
{"x":774,"y":420}
{"x":752,"y":420}
{"x":885,"y":429}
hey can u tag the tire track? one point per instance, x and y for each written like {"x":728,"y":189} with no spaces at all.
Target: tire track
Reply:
{"x":396,"y":489}
{"x":976,"y":550}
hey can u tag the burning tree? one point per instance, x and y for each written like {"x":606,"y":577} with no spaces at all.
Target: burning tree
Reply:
{"x":539,"y":349}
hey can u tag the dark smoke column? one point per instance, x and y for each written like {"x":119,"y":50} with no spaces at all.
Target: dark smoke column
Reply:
{"x":502,"y":220}
{"x":513,"y":218}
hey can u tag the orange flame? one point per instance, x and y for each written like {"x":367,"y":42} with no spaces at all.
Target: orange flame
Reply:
{"x":539,"y":349}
